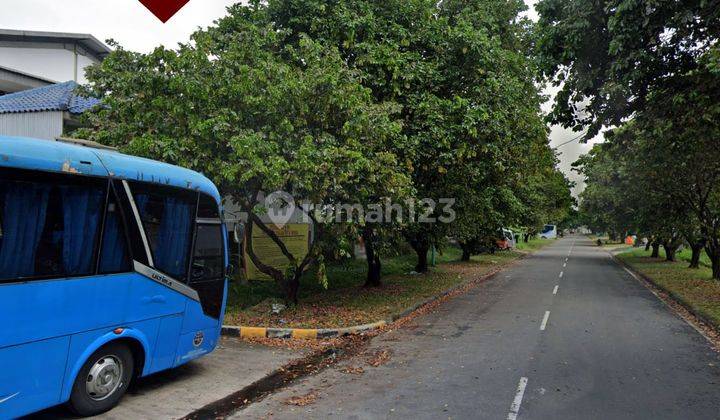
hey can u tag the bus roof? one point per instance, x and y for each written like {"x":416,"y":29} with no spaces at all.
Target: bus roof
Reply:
{"x":54,"y":156}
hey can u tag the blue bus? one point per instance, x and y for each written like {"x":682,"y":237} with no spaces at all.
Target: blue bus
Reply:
{"x":112,"y":267}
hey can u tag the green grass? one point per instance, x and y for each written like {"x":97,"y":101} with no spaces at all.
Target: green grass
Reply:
{"x":346,"y":302}
{"x":694,"y":287}
{"x":686,"y":255}
{"x":533,"y":244}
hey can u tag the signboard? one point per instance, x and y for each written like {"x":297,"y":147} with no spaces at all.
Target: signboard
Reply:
{"x":296,"y":238}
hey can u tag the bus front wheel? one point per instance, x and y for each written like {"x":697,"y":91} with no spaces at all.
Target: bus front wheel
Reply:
{"x":102,"y":380}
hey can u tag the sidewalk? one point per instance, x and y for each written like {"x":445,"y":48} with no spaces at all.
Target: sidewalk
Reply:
{"x":175,"y":393}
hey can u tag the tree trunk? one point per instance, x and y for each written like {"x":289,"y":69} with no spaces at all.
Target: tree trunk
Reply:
{"x":696,"y":250}
{"x":647,"y":245}
{"x":466,"y":254}
{"x":421,"y":245}
{"x":655,"y":250}
{"x":292,"y":288}
{"x":373,"y":259}
{"x":714,"y":254}
{"x":670,"y":251}
{"x":422,"y":263}
{"x":527,"y":237}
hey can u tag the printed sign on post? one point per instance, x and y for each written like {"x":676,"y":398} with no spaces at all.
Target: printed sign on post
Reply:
{"x":296,"y":238}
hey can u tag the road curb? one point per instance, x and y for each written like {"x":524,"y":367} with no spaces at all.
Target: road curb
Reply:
{"x":672,"y":295}
{"x":298,"y":333}
{"x":320,"y":333}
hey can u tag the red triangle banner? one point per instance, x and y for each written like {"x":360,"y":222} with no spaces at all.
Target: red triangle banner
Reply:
{"x":164,"y":9}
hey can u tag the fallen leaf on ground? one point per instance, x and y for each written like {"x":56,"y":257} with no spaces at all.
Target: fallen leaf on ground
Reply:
{"x":353,"y":370}
{"x":303,"y":400}
{"x":378,"y":358}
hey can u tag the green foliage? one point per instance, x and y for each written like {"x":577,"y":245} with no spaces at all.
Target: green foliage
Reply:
{"x":658,"y":173}
{"x":348,"y":102}
{"x":254,"y":113}
{"x":607,"y":56}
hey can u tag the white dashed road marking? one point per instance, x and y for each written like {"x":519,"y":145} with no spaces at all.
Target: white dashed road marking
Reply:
{"x":515,"y":407}
{"x":555,"y":290}
{"x":545,"y":321}
{"x":561,"y":274}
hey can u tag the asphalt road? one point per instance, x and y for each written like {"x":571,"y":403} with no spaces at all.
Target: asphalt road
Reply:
{"x":566,"y":333}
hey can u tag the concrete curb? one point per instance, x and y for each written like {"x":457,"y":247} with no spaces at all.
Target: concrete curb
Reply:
{"x":302,"y":333}
{"x":672,"y":295}
{"x":320,"y":333}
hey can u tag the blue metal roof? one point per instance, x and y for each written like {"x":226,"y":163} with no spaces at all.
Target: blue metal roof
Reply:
{"x":57,"y":97}
{"x":54,"y":156}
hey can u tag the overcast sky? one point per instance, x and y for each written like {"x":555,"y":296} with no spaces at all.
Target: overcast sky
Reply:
{"x":128,"y":22}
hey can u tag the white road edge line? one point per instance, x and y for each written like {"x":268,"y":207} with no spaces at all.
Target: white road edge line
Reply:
{"x":555,"y":290}
{"x":544,"y":321}
{"x":631,"y":273}
{"x":561,"y":274}
{"x":515,"y":407}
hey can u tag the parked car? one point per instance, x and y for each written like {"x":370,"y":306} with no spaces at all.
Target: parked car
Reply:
{"x":549,"y":232}
{"x":506,"y":239}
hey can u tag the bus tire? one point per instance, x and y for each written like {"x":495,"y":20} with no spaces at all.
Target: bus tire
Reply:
{"x":102,"y":381}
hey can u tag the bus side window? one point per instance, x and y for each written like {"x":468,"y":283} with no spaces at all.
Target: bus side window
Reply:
{"x":208,"y":258}
{"x":114,"y":250}
{"x":167,"y":216}
{"x":51,"y":224}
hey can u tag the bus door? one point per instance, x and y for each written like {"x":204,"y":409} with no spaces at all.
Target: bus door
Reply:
{"x":160,"y":223}
{"x":202,"y":323}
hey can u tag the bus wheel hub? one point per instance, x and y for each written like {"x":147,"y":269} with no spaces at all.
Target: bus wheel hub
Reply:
{"x":104,"y":378}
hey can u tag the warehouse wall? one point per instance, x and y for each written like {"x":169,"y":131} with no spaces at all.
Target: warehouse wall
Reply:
{"x":43,"y":125}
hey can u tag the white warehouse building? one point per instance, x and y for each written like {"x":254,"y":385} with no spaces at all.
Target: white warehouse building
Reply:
{"x":31,"y":59}
{"x":39,"y":72}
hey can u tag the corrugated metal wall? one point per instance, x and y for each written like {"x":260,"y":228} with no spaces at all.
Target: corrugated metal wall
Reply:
{"x":42,"y":125}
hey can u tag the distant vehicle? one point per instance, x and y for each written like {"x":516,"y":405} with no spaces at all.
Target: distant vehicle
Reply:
{"x":506,"y":240}
{"x":112,"y":267}
{"x":549,"y":232}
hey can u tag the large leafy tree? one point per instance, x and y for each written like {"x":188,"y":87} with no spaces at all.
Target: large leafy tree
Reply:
{"x":667,"y":164}
{"x":459,"y":71}
{"x":677,"y":140}
{"x":608,"y":55}
{"x":256,"y":113}
{"x":605,"y":203}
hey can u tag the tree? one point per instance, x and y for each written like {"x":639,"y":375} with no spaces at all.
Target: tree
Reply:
{"x":607,"y":56}
{"x":460,"y":72}
{"x":668,"y":163}
{"x":255,"y":113}
{"x":678,"y":134}
{"x":606,"y":203}
{"x":389,"y":45}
